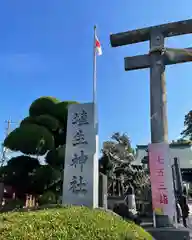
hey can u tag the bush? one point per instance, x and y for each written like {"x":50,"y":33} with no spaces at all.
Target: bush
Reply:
{"x":72,"y":223}
{"x":11,"y":205}
{"x":47,"y":198}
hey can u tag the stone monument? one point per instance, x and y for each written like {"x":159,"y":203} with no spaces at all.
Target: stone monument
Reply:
{"x":81,"y":173}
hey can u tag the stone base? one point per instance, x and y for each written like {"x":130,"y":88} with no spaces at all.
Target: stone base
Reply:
{"x":163,"y":221}
{"x":169,"y":233}
{"x":102,"y":191}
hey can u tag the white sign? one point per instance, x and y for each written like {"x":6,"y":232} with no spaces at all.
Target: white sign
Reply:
{"x":161,"y":177}
{"x":80,"y":184}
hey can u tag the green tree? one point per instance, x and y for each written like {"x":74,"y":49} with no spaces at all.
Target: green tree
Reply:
{"x":187,"y":132}
{"x":43,"y":130}
{"x":44,"y":177}
{"x":117,"y":162}
{"x":19,"y":173}
{"x":41,"y":133}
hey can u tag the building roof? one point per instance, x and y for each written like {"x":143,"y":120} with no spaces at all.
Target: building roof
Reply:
{"x":181,"y":149}
{"x":185,"y":144}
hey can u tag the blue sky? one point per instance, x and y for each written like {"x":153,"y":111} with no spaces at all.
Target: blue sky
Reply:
{"x":46,"y":49}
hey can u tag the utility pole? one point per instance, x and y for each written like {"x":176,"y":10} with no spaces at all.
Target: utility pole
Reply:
{"x":9,"y":122}
{"x":4,"y":149}
{"x":158,"y":57}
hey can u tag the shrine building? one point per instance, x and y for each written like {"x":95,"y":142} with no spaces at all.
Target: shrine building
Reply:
{"x":180,"y":150}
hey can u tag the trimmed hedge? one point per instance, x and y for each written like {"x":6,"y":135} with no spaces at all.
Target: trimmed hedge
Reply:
{"x":71,"y":223}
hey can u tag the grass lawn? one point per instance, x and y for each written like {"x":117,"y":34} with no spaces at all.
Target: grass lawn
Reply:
{"x":71,"y":223}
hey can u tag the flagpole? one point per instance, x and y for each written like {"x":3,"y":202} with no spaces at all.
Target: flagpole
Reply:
{"x":94,"y":77}
{"x":95,"y":158}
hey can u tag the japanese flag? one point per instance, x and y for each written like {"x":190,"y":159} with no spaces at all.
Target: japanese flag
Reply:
{"x":98,"y":46}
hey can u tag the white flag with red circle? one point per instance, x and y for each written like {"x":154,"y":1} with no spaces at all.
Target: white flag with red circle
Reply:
{"x":98,"y":46}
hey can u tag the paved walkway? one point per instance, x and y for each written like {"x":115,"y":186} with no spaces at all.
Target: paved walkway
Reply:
{"x":189,"y":229}
{"x":148,"y":223}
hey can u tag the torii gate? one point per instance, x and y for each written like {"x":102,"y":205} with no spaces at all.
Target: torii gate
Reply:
{"x":158,"y":57}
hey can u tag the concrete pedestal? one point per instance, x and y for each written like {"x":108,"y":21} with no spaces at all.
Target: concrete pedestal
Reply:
{"x":102,"y":191}
{"x":163,"y":221}
{"x":169,"y":233}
